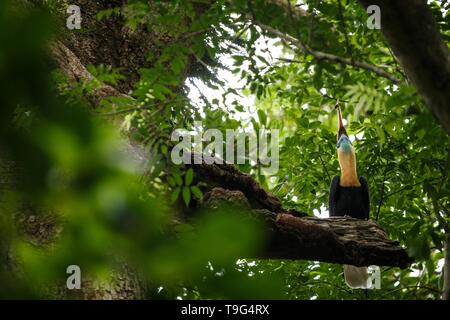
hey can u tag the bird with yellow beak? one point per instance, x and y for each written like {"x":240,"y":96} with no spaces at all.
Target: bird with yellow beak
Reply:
{"x":349,"y":196}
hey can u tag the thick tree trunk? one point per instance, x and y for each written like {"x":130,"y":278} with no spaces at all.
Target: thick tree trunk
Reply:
{"x":413,"y":35}
{"x":446,"y":287}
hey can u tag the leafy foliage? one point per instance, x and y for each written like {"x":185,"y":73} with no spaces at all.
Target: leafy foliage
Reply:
{"x":111,"y":210}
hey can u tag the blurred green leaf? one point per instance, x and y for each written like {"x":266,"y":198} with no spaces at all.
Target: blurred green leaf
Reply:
{"x":189,"y":177}
{"x":186,"y":195}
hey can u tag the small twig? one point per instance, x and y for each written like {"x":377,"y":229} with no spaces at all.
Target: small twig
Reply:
{"x":240,"y":33}
{"x":412,"y":287}
{"x":203,"y":97}
{"x":332,"y":98}
{"x":324,"y":167}
{"x":442,"y":223}
{"x":203,"y":63}
{"x":145,"y":107}
{"x":381,"y":194}
{"x":387,"y":269}
{"x":411,"y":185}
{"x":397,"y":65}
{"x":290,"y":60}
{"x":330,"y":284}
{"x":193,"y":33}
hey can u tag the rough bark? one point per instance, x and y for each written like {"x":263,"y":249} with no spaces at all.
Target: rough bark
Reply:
{"x":42,"y":229}
{"x":413,"y":35}
{"x":294,"y":235}
{"x":342,"y":240}
{"x":228,"y":177}
{"x":110,"y":41}
{"x":74,"y":69}
{"x":446,"y":274}
{"x":122,"y":284}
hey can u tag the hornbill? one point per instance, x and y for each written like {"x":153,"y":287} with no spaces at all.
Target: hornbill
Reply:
{"x":349,"y":196}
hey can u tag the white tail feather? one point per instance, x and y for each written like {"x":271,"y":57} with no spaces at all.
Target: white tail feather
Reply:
{"x":356,"y":277}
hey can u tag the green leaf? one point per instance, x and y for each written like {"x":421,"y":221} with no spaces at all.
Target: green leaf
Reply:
{"x":381,"y":135}
{"x":262,"y":117}
{"x":175,"y":194}
{"x":164,"y":149}
{"x":240,"y":108}
{"x":197,"y":192}
{"x":304,"y":122}
{"x":107,"y":13}
{"x":186,"y":195}
{"x":177,"y":178}
{"x":189,"y":177}
{"x":255,"y":124}
{"x":171,"y":181}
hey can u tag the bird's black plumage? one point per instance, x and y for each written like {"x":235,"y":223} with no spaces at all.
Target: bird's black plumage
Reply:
{"x":349,"y":201}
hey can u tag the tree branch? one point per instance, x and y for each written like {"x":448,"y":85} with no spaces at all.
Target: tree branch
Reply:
{"x":319,"y":55}
{"x":337,"y":240}
{"x":381,"y":194}
{"x":294,"y":235}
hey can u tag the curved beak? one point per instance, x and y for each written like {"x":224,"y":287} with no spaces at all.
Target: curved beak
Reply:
{"x":341,"y":128}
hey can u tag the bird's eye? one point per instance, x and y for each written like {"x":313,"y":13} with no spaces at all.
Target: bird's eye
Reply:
{"x":338,"y":144}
